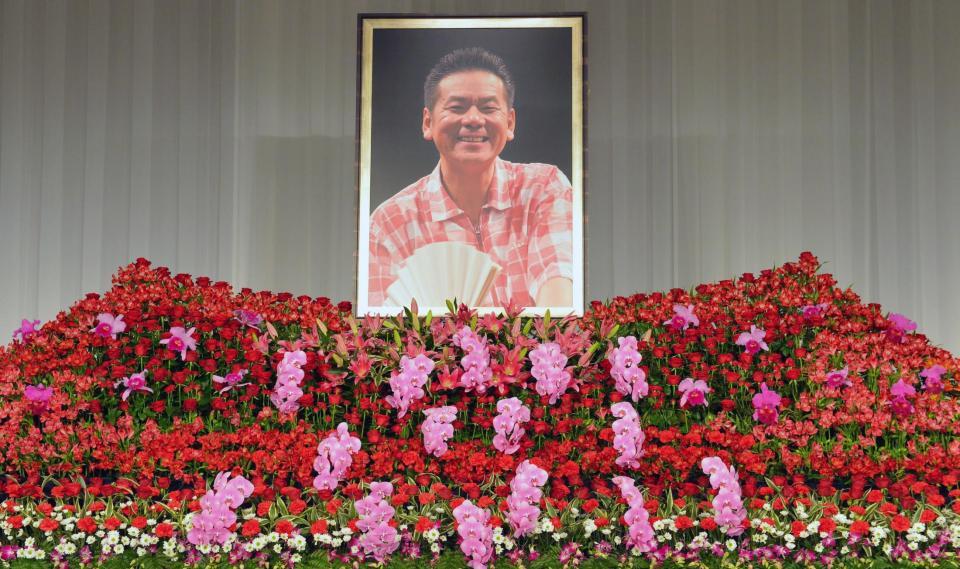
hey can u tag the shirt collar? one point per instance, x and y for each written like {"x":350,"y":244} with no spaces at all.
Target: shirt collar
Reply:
{"x":442,"y":206}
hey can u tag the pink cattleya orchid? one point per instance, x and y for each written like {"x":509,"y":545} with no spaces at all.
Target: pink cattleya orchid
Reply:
{"x":838,"y":378}
{"x":934,"y":378}
{"x":752,"y":341}
{"x":765,"y":405}
{"x":900,"y":326}
{"x":180,"y":340}
{"x":109,"y":326}
{"x":39,"y":398}
{"x":812,"y":311}
{"x":901,"y":394}
{"x":683,"y":317}
{"x":248,"y":318}
{"x":231,"y":380}
{"x":902,"y":389}
{"x":133,"y":384}
{"x":694,"y":392}
{"x":27,"y":328}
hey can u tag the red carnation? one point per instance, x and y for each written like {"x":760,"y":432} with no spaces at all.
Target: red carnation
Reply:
{"x":708,"y":524}
{"x":683,"y":522}
{"x":928,"y":516}
{"x":87,"y":524}
{"x":318,"y":527}
{"x":797,"y":527}
{"x":899,"y":523}
{"x":263,"y":508}
{"x":284,"y":526}
{"x":163,"y":530}
{"x":111,"y":523}
{"x":297,"y":506}
{"x":590,"y":505}
{"x":49,"y":524}
{"x":250,"y":528}
{"x":827,"y":525}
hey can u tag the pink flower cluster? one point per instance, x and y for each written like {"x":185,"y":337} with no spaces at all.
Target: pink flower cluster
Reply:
{"x":625,"y":369}
{"x":900,"y":326}
{"x":476,"y":362}
{"x":437,"y":429}
{"x":27,"y":328}
{"x":379,"y":539}
{"x":476,"y":536}
{"x":549,"y":369}
{"x":512,"y":414}
{"x":934,"y":378}
{"x":134,"y":383}
{"x":109,"y":326}
{"x":627,"y":436}
{"x":525,"y":495}
{"x":407,"y":386}
{"x":683,"y":317}
{"x":694,"y":392}
{"x":334,"y":458}
{"x":901,"y":395}
{"x":287,"y":393}
{"x":728,"y":503}
{"x":637,"y":518}
{"x":211,"y":525}
{"x":765,"y":405}
{"x":838,"y":378}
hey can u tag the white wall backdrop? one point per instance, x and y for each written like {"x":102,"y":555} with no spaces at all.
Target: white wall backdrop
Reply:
{"x":217,"y":138}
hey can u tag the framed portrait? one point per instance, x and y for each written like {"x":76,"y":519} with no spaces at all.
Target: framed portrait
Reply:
{"x":471,"y":163}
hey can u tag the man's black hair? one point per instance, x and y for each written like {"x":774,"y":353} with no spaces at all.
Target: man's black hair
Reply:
{"x":466,"y":59}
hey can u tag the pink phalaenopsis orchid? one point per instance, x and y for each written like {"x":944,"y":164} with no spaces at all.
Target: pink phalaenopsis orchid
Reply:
{"x":475,"y":533}
{"x":525,"y":495}
{"x":476,"y":363}
{"x":231,"y":380}
{"x":838,"y":378}
{"x":549,"y":369}
{"x":180,"y":340}
{"x":109,"y":326}
{"x":512,"y":414}
{"x":407,"y":386}
{"x":39,"y":397}
{"x":334,"y":457}
{"x":694,"y":392}
{"x":729,"y":512}
{"x":631,"y":380}
{"x":133,"y":384}
{"x":766,"y":405}
{"x":933,"y":377}
{"x":683,"y":317}
{"x":437,"y":429}
{"x":378,"y":538}
{"x":211,"y":525}
{"x":752,"y":341}
{"x":628,"y":437}
{"x":286,"y":392}
{"x":27,"y":328}
{"x":641,"y":535}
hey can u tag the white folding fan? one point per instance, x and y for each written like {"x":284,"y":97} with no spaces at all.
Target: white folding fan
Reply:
{"x":439,"y":272}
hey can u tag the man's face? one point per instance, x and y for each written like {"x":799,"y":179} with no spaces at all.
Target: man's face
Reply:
{"x":470,"y":122}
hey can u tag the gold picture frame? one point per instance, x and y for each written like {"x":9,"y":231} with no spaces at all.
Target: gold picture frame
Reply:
{"x":393,"y":53}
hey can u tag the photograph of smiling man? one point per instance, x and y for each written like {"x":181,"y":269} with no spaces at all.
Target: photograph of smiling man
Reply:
{"x":474,"y":225}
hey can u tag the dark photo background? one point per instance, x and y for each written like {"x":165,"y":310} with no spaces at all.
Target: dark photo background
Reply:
{"x":539,"y":60}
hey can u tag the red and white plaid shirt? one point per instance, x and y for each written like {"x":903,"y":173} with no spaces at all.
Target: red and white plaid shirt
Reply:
{"x":526,"y":226}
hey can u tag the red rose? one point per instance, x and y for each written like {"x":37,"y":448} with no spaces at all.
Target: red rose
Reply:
{"x":284,"y":526}
{"x":87,"y":524}
{"x":318,"y":527}
{"x":163,"y":530}
{"x":250,"y":528}
{"x":899,"y":523}
{"x":49,"y":524}
{"x":708,"y":524}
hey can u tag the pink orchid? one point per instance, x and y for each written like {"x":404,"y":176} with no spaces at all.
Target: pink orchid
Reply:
{"x":109,"y":326}
{"x":512,"y":414}
{"x":248,"y":318}
{"x":180,"y":340}
{"x":641,"y":535}
{"x":838,"y":378}
{"x":437,"y":429}
{"x":683,"y":317}
{"x":728,"y":503}
{"x":934,"y":378}
{"x":286,"y":392}
{"x":475,"y":533}
{"x":631,"y":380}
{"x":902,"y":389}
{"x":812,"y":311}
{"x":27,"y":328}
{"x":694,"y":392}
{"x":765,"y":405}
{"x":476,"y":362}
{"x":39,"y":397}
{"x":407,"y":386}
{"x":525,"y":495}
{"x":334,"y":458}
{"x":231,"y":380}
{"x":628,"y":437}
{"x":134,"y":383}
{"x":378,"y":538}
{"x":549,"y":369}
{"x":752,"y":341}
{"x":211,"y":525}
{"x":900,"y":326}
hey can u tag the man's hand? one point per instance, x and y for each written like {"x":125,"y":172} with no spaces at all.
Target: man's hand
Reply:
{"x":557,"y":291}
